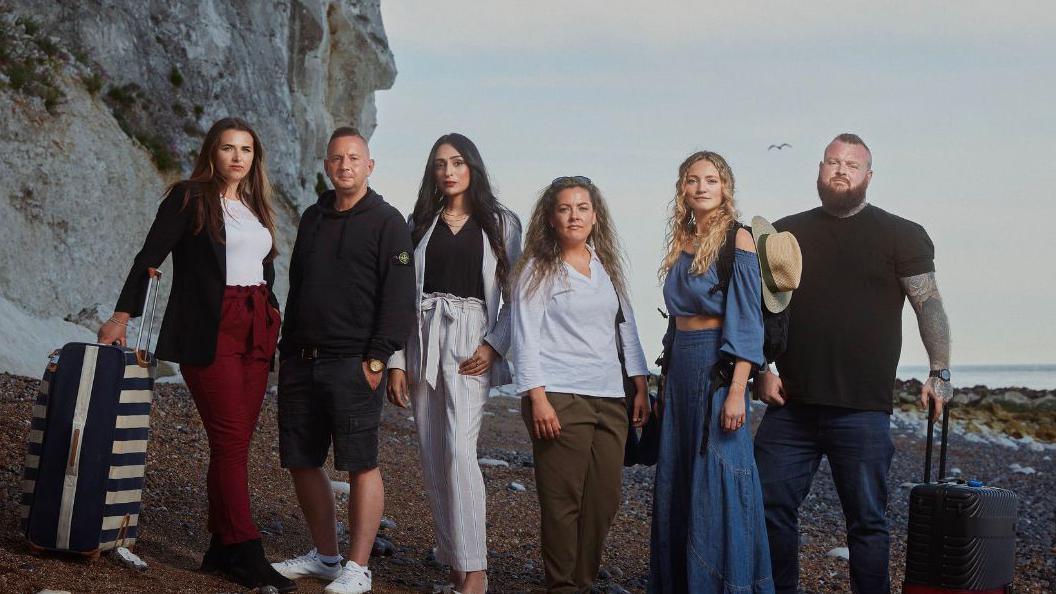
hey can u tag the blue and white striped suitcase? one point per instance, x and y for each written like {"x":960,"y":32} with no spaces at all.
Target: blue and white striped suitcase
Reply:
{"x":83,"y":476}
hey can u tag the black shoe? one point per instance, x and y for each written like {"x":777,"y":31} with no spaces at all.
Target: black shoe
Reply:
{"x":215,"y":559}
{"x":247,"y":565}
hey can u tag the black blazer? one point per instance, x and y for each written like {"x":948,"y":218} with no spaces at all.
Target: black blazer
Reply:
{"x":199,"y":275}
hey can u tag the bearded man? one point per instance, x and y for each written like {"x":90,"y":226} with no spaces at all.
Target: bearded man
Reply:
{"x":834,"y":392}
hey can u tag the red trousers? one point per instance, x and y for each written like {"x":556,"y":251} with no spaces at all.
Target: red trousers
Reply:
{"x":228,"y":393}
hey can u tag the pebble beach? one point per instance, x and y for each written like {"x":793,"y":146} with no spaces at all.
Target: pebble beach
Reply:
{"x":173,"y":535}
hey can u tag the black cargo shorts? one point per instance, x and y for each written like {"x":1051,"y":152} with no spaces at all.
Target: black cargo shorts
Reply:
{"x":328,"y":400}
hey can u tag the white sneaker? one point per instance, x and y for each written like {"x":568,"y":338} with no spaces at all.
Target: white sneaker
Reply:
{"x":354,"y":579}
{"x":307,"y":565}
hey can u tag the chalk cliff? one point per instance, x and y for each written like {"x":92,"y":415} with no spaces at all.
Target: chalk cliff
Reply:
{"x":104,"y":102}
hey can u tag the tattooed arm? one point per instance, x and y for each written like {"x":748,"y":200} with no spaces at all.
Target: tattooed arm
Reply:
{"x":923,"y":294}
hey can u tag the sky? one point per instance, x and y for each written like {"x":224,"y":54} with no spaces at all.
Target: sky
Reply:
{"x":955,"y":99}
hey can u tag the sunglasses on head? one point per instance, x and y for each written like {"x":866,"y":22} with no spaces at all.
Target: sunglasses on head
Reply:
{"x":577,"y":179}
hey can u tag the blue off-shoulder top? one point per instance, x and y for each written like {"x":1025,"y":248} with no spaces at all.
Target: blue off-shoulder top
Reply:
{"x":740,"y":305}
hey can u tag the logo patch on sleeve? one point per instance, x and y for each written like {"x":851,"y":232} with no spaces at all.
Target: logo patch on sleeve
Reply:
{"x":403,"y":258}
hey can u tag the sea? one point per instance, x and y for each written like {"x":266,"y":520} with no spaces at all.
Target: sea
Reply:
{"x":1034,"y":377}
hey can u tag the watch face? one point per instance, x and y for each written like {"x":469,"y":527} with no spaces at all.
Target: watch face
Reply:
{"x":943,"y":374}
{"x":376,"y":366}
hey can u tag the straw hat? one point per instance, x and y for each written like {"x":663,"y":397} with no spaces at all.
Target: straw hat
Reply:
{"x":780,"y":263}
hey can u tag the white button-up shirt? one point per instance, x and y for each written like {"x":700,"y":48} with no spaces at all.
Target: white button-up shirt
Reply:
{"x":564,"y":334}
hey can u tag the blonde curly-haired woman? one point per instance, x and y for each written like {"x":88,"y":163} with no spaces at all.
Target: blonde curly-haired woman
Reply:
{"x":709,"y":533}
{"x":567,"y":301}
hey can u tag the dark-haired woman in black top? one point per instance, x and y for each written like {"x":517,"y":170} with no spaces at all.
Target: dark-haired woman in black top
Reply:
{"x":465,"y":245}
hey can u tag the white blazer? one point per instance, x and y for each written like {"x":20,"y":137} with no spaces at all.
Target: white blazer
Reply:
{"x":497,"y":335}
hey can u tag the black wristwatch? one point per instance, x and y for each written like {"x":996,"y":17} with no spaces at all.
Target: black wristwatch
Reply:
{"x":942,"y":374}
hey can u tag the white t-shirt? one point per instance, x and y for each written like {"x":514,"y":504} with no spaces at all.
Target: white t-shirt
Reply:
{"x":247,"y":244}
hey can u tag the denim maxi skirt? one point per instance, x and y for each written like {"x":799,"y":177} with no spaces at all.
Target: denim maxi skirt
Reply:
{"x":709,"y":531}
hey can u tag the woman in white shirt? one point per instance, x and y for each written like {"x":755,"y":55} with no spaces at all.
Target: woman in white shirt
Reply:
{"x":221,"y":324}
{"x":569,"y":294}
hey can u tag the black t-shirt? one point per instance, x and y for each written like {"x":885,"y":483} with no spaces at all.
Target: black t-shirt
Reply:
{"x":454,"y":261}
{"x":845,"y":328}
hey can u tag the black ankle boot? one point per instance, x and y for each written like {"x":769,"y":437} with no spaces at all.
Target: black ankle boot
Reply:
{"x":247,"y":565}
{"x":215,"y":558}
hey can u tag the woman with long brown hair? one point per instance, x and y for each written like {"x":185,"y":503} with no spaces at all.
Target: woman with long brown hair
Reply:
{"x":708,"y":532}
{"x":465,"y":243}
{"x":571,"y":317}
{"x":221,"y":323}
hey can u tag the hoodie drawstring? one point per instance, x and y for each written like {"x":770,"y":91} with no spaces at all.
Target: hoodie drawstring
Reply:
{"x":341,"y":238}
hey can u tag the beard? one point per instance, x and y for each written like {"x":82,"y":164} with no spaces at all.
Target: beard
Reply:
{"x":841,"y":202}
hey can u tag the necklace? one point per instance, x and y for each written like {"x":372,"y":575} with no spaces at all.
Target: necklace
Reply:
{"x":453,"y":217}
{"x":455,"y":222}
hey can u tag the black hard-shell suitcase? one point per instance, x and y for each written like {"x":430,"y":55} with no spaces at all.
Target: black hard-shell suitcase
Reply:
{"x":962,"y":534}
{"x":83,"y":475}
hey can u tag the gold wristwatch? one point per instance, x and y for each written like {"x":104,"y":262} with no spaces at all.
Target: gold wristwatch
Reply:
{"x":376,"y":365}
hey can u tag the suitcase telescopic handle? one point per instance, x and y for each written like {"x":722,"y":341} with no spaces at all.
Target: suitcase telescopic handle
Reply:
{"x":146,"y":327}
{"x":931,"y":439}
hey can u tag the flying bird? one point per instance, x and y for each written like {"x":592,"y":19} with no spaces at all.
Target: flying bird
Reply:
{"x":778,"y":146}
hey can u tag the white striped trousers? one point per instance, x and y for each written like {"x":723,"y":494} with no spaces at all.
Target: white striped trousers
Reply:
{"x":448,"y":418}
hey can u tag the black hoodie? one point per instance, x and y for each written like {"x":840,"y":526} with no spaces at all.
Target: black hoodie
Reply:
{"x":351,"y":280}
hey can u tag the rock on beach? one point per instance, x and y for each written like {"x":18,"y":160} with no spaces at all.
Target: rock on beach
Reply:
{"x":840,"y":553}
{"x":493,"y":462}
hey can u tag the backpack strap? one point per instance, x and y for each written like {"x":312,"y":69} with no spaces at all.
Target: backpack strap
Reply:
{"x":724,"y":263}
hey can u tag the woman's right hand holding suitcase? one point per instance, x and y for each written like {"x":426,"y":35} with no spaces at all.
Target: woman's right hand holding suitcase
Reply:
{"x":113,"y":330}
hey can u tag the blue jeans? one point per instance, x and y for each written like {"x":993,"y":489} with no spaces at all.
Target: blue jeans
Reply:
{"x":788,"y":448}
